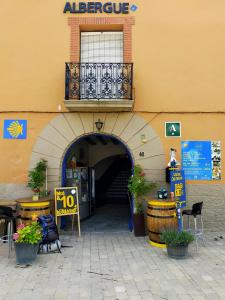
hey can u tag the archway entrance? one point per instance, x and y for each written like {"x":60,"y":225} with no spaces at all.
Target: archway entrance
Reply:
{"x":100,"y":165}
{"x":129,"y":129}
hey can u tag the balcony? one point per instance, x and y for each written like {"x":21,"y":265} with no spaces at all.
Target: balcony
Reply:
{"x":98,"y":87}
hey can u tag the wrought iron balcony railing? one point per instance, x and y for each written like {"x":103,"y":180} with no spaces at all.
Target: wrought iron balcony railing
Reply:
{"x":98,"y":81}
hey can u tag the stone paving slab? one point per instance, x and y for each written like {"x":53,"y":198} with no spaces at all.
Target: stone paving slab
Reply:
{"x":117,"y":266}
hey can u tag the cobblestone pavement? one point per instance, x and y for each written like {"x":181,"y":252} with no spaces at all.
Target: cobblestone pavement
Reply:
{"x":117,"y":266}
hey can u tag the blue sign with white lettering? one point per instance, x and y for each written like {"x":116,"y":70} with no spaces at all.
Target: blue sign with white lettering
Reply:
{"x":15,"y":129}
{"x":197,"y":160}
{"x":177,"y":186}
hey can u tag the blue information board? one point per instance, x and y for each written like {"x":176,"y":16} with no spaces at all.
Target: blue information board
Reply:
{"x":15,"y":129}
{"x":197,"y":160}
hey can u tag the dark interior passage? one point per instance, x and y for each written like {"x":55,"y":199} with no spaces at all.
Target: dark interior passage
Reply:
{"x":111,"y":187}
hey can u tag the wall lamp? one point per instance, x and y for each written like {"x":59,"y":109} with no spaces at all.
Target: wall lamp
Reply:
{"x":99,"y":124}
{"x":143,"y":138}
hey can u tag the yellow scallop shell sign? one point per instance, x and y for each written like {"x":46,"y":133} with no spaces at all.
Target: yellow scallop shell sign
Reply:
{"x":15,"y":129}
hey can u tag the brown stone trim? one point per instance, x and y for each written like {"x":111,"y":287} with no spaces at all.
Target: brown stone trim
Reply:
{"x":76,"y":22}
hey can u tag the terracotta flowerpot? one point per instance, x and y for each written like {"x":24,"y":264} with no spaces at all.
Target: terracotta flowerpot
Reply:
{"x":139,"y":224}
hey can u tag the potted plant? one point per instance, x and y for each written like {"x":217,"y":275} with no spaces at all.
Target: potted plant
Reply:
{"x":26,"y":242}
{"x":139,"y":186}
{"x":177,"y":242}
{"x":37,"y":178}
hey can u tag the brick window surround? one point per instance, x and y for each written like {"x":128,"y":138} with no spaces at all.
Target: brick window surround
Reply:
{"x":102,"y":23}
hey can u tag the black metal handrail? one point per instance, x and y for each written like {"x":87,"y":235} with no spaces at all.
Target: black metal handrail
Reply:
{"x":98,"y":81}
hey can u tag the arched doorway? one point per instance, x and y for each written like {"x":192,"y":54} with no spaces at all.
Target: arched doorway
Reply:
{"x":100,"y":166}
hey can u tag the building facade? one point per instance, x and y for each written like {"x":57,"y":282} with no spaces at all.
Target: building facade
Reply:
{"x":130,"y":66}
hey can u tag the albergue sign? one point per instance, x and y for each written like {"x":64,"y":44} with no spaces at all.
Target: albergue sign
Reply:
{"x":96,"y":7}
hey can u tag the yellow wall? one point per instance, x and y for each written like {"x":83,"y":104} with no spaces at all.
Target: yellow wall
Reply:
{"x":178,"y":54}
{"x":15,"y":154}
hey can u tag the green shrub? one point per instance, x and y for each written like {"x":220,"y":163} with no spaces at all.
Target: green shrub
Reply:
{"x":139,"y":186}
{"x":37,"y":176}
{"x":173,"y":237}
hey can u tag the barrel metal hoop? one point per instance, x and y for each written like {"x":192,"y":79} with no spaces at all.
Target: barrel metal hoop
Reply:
{"x":158,"y":208}
{"x":153,"y":232}
{"x":34,"y":209}
{"x":161,"y":217}
{"x":25,"y":219}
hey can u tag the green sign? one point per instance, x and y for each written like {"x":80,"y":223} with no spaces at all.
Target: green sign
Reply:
{"x":173,"y":129}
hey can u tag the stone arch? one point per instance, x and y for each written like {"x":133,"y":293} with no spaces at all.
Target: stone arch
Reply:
{"x":66,"y":128}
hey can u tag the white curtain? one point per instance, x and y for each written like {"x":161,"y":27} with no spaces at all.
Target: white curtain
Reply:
{"x":102,"y":47}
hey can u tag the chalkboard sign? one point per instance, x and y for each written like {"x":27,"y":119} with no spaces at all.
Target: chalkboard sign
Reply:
{"x":66,"y":203}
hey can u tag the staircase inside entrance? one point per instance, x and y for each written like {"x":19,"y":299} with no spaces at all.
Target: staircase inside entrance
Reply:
{"x":112,"y":186}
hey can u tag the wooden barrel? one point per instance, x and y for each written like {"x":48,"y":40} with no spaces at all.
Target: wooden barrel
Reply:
{"x":161,"y":215}
{"x":29,"y":211}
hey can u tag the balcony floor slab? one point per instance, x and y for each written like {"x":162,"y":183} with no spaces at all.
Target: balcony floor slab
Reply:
{"x":108,"y":105}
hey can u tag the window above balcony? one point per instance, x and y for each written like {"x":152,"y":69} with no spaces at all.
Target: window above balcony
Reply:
{"x":101,"y":81}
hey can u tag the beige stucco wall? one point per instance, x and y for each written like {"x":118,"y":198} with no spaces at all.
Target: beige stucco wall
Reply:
{"x":178,"y":54}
